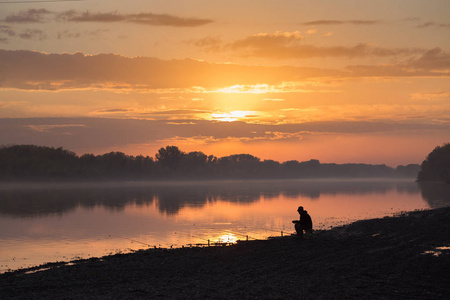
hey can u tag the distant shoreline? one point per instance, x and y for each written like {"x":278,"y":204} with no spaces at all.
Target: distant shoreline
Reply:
{"x":40,"y":163}
{"x":402,"y":257}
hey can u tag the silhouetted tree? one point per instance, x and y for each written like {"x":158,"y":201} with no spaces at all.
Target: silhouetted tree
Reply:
{"x":238,"y":165}
{"x":194,"y":164}
{"x":28,"y":161}
{"x":270,"y":169}
{"x":436,"y":167}
{"x":169,"y":157}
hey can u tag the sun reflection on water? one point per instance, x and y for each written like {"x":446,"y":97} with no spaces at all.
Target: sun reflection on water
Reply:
{"x":227,"y":238}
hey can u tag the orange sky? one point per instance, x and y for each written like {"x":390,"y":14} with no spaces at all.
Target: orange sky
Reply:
{"x":336,"y":81}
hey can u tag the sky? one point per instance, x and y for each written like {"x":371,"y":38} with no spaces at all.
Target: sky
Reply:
{"x":341,"y":81}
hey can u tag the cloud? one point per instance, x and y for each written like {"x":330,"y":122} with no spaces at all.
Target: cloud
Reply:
{"x":33,"y":34}
{"x":209,"y":43}
{"x":433,"y":24}
{"x":205,"y":140}
{"x":28,"y":16}
{"x":441,"y":95}
{"x":47,"y":128}
{"x":288,"y":45}
{"x":77,"y":16}
{"x":27,"y":34}
{"x":112,"y":110}
{"x":6,"y":32}
{"x":433,"y":59}
{"x":166,"y":20}
{"x":42,"y":15}
{"x":5,"y":29}
{"x":433,"y":62}
{"x":5,"y":104}
{"x":69,"y":34}
{"x":141,"y":18}
{"x":427,"y":24}
{"x":283,"y":49}
{"x":274,"y":99}
{"x":154,"y":114}
{"x":261,"y":40}
{"x":339,"y":22}
{"x":412,"y":19}
{"x":39,"y":71}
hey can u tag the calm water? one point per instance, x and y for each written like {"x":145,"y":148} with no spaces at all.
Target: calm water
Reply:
{"x":44,"y":223}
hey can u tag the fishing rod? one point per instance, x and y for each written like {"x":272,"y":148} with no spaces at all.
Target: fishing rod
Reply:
{"x":136,"y":241}
{"x":191,"y":235}
{"x":240,"y":234}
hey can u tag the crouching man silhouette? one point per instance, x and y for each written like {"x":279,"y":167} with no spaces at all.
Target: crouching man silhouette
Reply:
{"x":305,"y":222}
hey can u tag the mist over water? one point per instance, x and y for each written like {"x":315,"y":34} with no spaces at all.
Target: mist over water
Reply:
{"x":59,"y":222}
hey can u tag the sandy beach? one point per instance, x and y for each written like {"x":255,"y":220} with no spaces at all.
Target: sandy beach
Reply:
{"x":402,"y":257}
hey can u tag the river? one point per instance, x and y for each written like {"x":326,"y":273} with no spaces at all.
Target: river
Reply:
{"x":61,"y":222}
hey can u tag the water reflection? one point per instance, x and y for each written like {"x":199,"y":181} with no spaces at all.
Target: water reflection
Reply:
{"x":36,"y":200}
{"x":437,"y":194}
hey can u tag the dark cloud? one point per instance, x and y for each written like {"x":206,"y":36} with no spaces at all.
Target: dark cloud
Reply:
{"x":166,"y":20}
{"x":284,"y":46}
{"x":412,"y":19}
{"x":209,"y":43}
{"x":338,"y":22}
{"x":76,"y":16}
{"x":6,"y":32}
{"x":33,"y":34}
{"x":41,"y":15}
{"x":112,"y":110}
{"x":434,"y":59}
{"x":268,"y":40}
{"x":427,"y":24}
{"x":433,"y":62}
{"x":288,"y":45}
{"x":70,"y":34}
{"x":28,"y":16}
{"x":141,"y":18}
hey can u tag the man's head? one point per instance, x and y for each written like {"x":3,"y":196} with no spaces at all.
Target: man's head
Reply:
{"x":300,"y":209}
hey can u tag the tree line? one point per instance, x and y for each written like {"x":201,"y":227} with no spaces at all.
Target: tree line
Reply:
{"x":31,"y":162}
{"x":436,"y":167}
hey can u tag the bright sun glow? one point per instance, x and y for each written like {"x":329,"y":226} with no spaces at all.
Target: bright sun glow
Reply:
{"x":227,"y":238}
{"x":250,"y":89}
{"x":232,"y":116}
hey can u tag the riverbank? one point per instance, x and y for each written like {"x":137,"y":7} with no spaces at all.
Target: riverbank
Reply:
{"x":389,"y":258}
